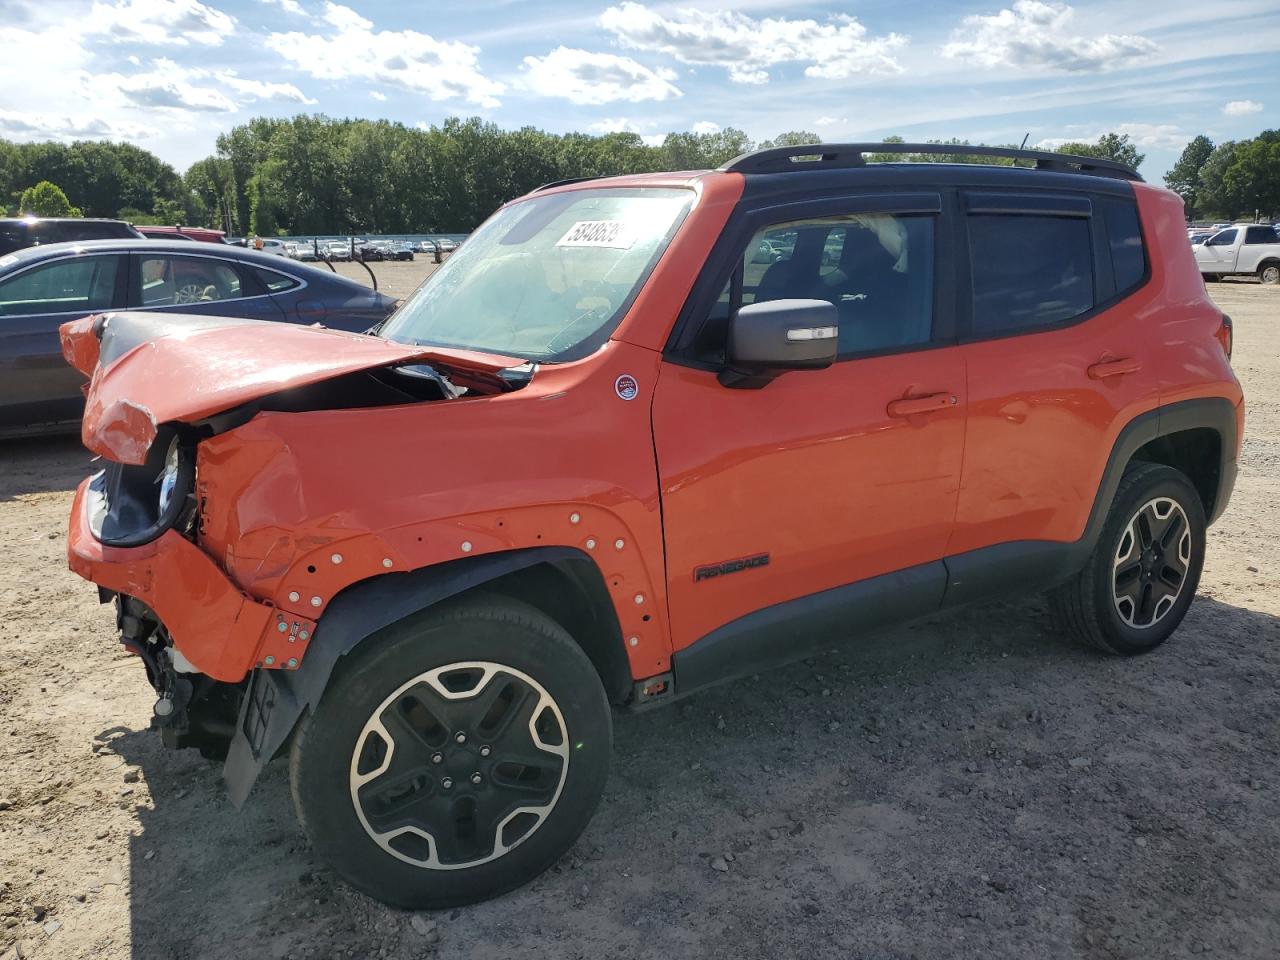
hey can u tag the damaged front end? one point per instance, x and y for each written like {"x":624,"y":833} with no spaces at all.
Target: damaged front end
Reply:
{"x":160,"y":386}
{"x":192,"y":710}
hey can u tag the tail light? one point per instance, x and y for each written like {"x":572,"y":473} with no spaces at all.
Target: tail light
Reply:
{"x":1226,"y":335}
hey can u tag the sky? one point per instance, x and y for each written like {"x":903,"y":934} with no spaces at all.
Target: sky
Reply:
{"x":170,"y":75}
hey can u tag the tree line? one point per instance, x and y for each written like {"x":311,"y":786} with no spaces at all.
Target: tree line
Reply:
{"x":312,"y":174}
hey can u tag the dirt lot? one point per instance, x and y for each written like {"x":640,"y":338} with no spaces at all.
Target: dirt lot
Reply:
{"x":970,"y":787}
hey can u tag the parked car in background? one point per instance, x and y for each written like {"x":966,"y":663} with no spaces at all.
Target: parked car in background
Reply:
{"x":1240,"y":250}
{"x":274,"y":248}
{"x":307,"y":252}
{"x":399,"y":250}
{"x":336,"y":250}
{"x":427,"y":246}
{"x":203,"y":234}
{"x":447,"y":245}
{"x":237,"y":241}
{"x":371,"y":251}
{"x":45,"y":286}
{"x":17,"y":233}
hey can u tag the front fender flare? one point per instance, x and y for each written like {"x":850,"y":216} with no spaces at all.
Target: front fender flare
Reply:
{"x":274,"y":700}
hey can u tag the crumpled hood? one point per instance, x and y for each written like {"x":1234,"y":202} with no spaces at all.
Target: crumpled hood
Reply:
{"x":147,"y":369}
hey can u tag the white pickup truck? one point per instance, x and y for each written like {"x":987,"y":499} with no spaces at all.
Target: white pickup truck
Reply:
{"x":1241,"y":249}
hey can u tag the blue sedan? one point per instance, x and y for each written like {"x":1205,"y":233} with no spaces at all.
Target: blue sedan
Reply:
{"x":43,"y":287}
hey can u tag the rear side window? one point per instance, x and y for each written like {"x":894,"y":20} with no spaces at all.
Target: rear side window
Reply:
{"x":1124,"y":236}
{"x":1261,"y":235}
{"x":274,"y":282}
{"x":166,"y":280}
{"x":79,"y":285}
{"x":1029,"y":272}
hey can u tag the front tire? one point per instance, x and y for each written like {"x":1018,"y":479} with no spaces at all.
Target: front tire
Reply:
{"x":1144,"y":569}
{"x":454,"y":757}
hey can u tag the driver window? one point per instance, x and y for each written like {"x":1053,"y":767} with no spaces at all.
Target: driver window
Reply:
{"x":166,"y":280}
{"x":876,"y":268}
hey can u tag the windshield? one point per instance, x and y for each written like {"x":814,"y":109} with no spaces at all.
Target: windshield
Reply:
{"x":545,"y":279}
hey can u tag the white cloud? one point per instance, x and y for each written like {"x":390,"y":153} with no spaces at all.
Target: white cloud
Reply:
{"x":378,"y":95}
{"x":747,"y":47}
{"x":831,"y":121}
{"x":166,"y":86}
{"x":1035,"y":34}
{"x":1241,"y":108}
{"x":21,"y":126}
{"x":617,"y":125}
{"x":170,"y":22}
{"x":705,"y":127}
{"x":263,"y":89}
{"x":593,"y":78}
{"x":288,"y":6}
{"x":1148,"y":136}
{"x":441,"y":69}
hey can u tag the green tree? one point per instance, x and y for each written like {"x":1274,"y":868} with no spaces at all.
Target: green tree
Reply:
{"x":1183,"y":177}
{"x":1110,"y":146}
{"x":1216,"y":198}
{"x":1253,"y":176}
{"x":792,"y":138}
{"x":46,"y":199}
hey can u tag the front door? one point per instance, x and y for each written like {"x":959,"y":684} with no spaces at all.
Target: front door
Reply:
{"x":37,"y":386}
{"x":821,"y":478}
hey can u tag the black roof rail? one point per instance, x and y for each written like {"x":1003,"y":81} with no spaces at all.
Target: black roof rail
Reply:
{"x":562,"y":183}
{"x":842,"y":155}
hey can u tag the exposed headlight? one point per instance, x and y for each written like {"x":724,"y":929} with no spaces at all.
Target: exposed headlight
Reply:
{"x":168,"y":478}
{"x":131,"y":505}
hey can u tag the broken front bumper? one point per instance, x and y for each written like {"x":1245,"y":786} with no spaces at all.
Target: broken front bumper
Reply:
{"x":220,"y":630}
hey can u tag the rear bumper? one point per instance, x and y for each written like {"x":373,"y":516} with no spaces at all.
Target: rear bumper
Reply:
{"x":220,"y":630}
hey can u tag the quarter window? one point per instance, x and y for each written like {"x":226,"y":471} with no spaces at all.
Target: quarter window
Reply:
{"x":1124,"y":236}
{"x":875,"y":268}
{"x":275,"y":282}
{"x":166,"y":281}
{"x":1029,"y":272}
{"x":80,"y":285}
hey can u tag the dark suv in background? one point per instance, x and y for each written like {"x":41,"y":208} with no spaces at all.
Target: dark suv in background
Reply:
{"x":15,"y":234}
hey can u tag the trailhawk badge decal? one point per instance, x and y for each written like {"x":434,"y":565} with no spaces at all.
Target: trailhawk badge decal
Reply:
{"x":626,"y":387}
{"x":712,"y":570}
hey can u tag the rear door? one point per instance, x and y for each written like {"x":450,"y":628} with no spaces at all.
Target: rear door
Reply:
{"x":823,"y":478}
{"x":201,"y":284}
{"x":37,"y":386}
{"x":1060,"y":355}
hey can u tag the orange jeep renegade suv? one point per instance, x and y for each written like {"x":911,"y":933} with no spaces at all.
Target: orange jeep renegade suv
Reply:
{"x":641,"y":435}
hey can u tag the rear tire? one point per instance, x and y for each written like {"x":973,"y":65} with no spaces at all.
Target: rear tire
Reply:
{"x":1269,"y":273}
{"x":1144,"y":569}
{"x":455,"y":756}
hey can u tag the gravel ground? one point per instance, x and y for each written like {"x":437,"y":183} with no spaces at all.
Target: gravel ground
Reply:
{"x":973,"y":786}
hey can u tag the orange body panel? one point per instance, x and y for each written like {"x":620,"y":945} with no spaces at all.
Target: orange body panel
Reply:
{"x":811,"y":470}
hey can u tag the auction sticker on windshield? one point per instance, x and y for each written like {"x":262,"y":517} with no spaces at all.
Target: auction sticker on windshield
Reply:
{"x":599,"y":233}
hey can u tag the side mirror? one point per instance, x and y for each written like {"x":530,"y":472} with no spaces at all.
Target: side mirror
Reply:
{"x":767,"y":339}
